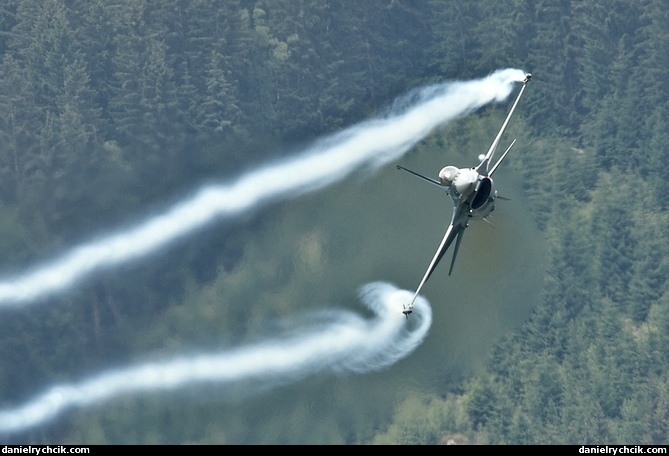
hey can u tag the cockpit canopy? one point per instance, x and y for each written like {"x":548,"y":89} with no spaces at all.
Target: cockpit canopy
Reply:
{"x":447,"y":174}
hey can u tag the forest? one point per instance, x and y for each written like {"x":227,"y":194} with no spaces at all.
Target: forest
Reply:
{"x":112,"y":107}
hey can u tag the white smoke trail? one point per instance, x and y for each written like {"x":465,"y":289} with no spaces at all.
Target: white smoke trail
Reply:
{"x":344,"y":342}
{"x":372,"y":144}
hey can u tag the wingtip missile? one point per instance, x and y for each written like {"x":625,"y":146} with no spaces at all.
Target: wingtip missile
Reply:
{"x":408,"y":308}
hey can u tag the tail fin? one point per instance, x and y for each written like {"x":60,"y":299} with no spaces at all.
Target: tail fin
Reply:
{"x":425,"y":178}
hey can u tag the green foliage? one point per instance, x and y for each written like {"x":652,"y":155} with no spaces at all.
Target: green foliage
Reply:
{"x":428,"y":420}
{"x":109,"y":106}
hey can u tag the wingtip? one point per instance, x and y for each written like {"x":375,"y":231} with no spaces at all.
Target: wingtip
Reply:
{"x":407,"y":310}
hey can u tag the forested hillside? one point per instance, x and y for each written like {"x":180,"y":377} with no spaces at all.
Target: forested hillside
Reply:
{"x":108,"y":107}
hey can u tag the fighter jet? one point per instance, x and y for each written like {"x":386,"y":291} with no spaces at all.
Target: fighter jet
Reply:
{"x":473,"y":193}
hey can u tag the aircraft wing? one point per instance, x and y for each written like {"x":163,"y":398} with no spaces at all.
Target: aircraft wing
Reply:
{"x":482,"y":168}
{"x":454,"y":233}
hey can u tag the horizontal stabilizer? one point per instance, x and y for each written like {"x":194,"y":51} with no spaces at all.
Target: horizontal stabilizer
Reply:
{"x":458,"y":240}
{"x":501,"y":158}
{"x":453,"y":233}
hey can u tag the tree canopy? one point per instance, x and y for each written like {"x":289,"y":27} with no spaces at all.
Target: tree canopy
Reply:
{"x":107,"y":106}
